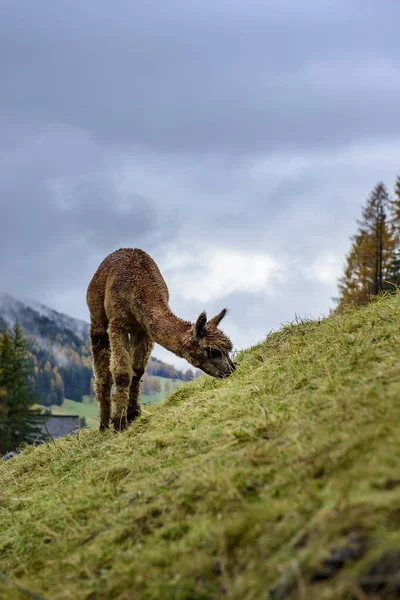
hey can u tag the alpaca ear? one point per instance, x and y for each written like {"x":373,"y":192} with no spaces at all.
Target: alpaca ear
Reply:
{"x":199,"y":328}
{"x":215,"y":321}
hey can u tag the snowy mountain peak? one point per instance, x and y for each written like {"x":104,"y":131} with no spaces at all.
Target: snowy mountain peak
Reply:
{"x":13,"y":309}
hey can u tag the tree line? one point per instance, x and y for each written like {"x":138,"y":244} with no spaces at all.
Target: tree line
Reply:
{"x":373,"y":262}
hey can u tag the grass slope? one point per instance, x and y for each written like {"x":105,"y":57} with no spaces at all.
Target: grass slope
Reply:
{"x":282,"y":481}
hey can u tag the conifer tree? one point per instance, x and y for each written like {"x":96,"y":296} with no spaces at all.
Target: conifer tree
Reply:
{"x":354,"y":285}
{"x":393,"y":278}
{"x":395,"y":206}
{"x":369,"y":262}
{"x":18,"y":423}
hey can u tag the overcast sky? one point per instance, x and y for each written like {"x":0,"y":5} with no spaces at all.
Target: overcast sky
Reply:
{"x":235,"y":141}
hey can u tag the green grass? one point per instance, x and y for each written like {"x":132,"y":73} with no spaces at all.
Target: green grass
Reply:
{"x":237,"y":488}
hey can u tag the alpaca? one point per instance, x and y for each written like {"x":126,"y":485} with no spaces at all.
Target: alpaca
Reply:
{"x":128,"y":304}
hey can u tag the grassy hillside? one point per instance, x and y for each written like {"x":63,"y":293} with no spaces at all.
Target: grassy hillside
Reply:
{"x":282,"y":481}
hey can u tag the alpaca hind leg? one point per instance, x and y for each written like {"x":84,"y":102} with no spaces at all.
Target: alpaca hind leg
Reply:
{"x":100,"y":345}
{"x":141,"y":348}
{"x":122,"y":374}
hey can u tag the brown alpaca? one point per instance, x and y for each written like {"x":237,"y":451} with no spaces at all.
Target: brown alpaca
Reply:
{"x":128,"y":303}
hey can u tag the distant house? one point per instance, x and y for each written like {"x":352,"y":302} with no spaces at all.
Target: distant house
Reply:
{"x":56,"y":426}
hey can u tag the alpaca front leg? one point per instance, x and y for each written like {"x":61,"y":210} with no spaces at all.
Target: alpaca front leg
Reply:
{"x":141,"y":347}
{"x":122,"y":374}
{"x":101,"y":364}
{"x":134,"y":404}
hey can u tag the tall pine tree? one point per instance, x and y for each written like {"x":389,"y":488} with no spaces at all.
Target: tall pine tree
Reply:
{"x":370,"y":259}
{"x":18,"y":423}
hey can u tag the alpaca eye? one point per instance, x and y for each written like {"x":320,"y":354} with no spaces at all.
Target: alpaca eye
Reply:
{"x":213,"y":353}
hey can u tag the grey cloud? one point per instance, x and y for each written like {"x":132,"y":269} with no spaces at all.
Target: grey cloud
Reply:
{"x":284,"y":204}
{"x":200,"y":76}
{"x":62,"y":212}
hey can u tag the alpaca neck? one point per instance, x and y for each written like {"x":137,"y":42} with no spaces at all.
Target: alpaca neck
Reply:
{"x":170,"y":331}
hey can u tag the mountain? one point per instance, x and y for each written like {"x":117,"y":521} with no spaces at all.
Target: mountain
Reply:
{"x":29,"y":310}
{"x":60,"y":351}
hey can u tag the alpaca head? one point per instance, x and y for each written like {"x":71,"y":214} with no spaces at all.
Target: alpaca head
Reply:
{"x":208,"y":348}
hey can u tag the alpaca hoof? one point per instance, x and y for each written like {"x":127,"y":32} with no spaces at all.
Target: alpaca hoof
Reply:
{"x":103,"y":427}
{"x":133,"y":414}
